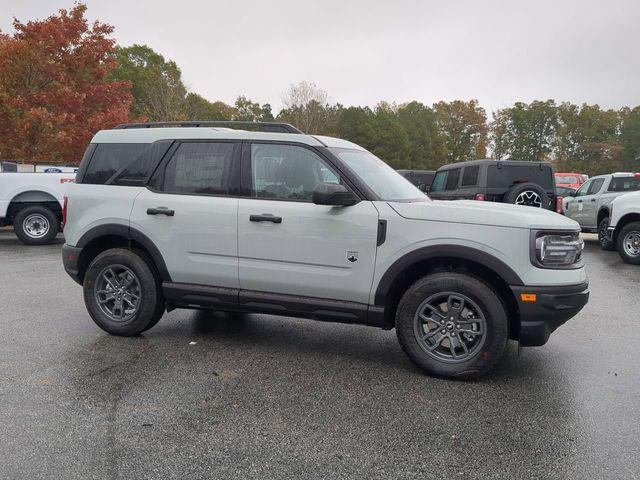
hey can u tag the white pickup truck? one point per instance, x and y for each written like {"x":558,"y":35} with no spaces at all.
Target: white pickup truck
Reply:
{"x":33,"y":204}
{"x":624,"y":230}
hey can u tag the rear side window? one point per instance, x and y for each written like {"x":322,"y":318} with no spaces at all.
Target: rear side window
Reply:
{"x":202,"y":168}
{"x":470,"y":176}
{"x":508,"y":175}
{"x":624,"y":184}
{"x":595,"y":186}
{"x":109,"y":158}
{"x":452,"y":179}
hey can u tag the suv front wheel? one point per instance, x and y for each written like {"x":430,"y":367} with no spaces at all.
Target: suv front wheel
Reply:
{"x":122,"y":292}
{"x":452,"y":325}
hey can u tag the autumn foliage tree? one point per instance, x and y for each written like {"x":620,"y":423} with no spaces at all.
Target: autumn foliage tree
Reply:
{"x":53,"y":92}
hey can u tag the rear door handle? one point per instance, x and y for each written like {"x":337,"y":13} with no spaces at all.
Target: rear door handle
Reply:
{"x":593,"y":199}
{"x":161,"y":211}
{"x":579,"y":201}
{"x":265,"y":217}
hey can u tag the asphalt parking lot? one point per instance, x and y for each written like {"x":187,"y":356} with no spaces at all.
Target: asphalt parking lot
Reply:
{"x":257,"y":396}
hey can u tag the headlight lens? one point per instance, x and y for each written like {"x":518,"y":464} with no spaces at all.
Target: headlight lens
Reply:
{"x":558,"y":250}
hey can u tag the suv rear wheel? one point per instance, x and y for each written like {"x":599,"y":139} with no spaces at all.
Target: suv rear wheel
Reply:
{"x":629,"y":243}
{"x":35,"y":225}
{"x":122,"y":292}
{"x":452,"y":325}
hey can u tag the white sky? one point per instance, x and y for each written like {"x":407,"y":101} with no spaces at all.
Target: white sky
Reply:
{"x":362,"y":52}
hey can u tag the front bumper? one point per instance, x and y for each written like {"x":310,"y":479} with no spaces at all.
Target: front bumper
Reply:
{"x":552,"y":307}
{"x":70,"y":257}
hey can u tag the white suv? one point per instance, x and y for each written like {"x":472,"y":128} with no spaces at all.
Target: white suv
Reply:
{"x":316,"y":227}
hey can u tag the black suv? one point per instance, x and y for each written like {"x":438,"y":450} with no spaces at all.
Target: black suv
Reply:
{"x":420,"y":178}
{"x":521,"y":183}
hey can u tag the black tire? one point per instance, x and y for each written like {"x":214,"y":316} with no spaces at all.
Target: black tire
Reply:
{"x":150,"y":304}
{"x":626,"y":254}
{"x":487,"y":353}
{"x":36,"y":225}
{"x":513,"y":195}
{"x":605,"y":243}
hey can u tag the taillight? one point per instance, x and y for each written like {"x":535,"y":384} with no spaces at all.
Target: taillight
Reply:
{"x":480,"y":197}
{"x":559,"y":205}
{"x":64,"y":211}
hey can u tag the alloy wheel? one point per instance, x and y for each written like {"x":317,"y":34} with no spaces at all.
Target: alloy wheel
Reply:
{"x":117,"y":291}
{"x":450,"y":327}
{"x":529,"y":198}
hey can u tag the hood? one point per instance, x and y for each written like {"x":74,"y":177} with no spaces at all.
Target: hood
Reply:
{"x":485,"y":213}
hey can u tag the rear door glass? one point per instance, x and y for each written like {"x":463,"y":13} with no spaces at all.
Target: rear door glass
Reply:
{"x":508,"y":175}
{"x":452,"y":179}
{"x":470,"y":176}
{"x":624,"y":184}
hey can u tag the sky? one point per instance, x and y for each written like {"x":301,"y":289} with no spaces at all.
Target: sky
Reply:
{"x":363,"y":52}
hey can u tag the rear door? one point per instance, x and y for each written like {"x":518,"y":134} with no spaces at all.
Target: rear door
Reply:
{"x":189,"y":211}
{"x":289,"y":245}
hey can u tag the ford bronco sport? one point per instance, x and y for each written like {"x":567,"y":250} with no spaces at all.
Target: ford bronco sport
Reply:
{"x":196,"y":215}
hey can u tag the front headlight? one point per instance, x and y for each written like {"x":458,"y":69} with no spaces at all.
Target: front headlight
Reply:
{"x":557,"y":249}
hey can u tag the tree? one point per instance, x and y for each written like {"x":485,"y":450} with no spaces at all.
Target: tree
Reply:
{"x":525,"y":131}
{"x":630,"y":139}
{"x":199,"y":108}
{"x":248,"y":111}
{"x":305,"y":106}
{"x":54,"y":94}
{"x":157,"y":88}
{"x":463,"y":125}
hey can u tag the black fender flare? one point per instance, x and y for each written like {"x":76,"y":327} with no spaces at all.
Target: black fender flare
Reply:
{"x":129,"y":234}
{"x":458,"y":252}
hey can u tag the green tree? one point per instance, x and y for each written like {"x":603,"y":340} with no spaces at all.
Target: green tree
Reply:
{"x":525,"y":131}
{"x":199,"y":108}
{"x":426,"y":143}
{"x":157,"y":88}
{"x":248,"y":111}
{"x":630,"y":139}
{"x":463,"y":125}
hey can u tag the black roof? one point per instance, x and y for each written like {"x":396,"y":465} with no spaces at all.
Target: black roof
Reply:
{"x":489,"y":161}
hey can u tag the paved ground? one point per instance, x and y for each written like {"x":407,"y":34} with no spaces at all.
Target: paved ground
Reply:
{"x":272,"y":397}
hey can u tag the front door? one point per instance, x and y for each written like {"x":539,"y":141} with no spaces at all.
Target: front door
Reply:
{"x":190,"y":215}
{"x":289,"y":245}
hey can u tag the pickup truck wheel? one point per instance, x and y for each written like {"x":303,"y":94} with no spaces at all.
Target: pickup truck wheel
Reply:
{"x":602,"y":235}
{"x":122,"y":293}
{"x":35,"y":225}
{"x":452,"y":325}
{"x":629,"y":243}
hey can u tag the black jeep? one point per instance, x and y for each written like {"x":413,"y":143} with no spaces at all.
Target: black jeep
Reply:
{"x":521,"y":183}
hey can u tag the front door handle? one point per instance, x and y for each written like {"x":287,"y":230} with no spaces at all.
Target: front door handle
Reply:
{"x":161,"y":211}
{"x":579,"y":201}
{"x":265,"y":217}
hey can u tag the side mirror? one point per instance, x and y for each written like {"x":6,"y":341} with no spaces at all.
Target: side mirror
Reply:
{"x":333,"y":194}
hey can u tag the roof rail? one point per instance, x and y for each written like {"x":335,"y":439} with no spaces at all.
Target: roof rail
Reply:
{"x":276,"y":127}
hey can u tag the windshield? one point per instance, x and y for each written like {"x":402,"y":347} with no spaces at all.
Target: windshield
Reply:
{"x":385,"y":182}
{"x":566,"y":179}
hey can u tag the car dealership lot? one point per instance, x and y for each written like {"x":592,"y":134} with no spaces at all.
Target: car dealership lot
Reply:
{"x":241,"y":396}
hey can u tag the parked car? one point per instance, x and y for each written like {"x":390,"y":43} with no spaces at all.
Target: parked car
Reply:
{"x":624,"y":228}
{"x":32,"y":203}
{"x":521,"y":183}
{"x":590,"y":206}
{"x":420,"y":178}
{"x":571,"y":180}
{"x":314,"y":227}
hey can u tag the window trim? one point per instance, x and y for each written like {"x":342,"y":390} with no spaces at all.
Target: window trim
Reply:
{"x":155,"y":182}
{"x":246,"y":178}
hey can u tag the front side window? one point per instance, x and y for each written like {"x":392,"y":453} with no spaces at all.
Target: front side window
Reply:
{"x":287,"y":172}
{"x":383,"y":180}
{"x":439,"y":181}
{"x":582,"y":191}
{"x":595,"y":186}
{"x":200,"y":168}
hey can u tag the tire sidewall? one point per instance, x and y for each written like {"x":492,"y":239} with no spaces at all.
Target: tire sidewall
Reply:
{"x":485,"y":298}
{"x":24,"y":237}
{"x":634,"y":226}
{"x":150,"y":296}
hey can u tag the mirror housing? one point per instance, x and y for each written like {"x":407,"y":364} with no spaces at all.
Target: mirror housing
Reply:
{"x":334,"y":194}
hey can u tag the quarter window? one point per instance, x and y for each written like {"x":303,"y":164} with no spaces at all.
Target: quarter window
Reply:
{"x":109,"y":158}
{"x":201,"y":168}
{"x":470,"y":176}
{"x":287,"y":172}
